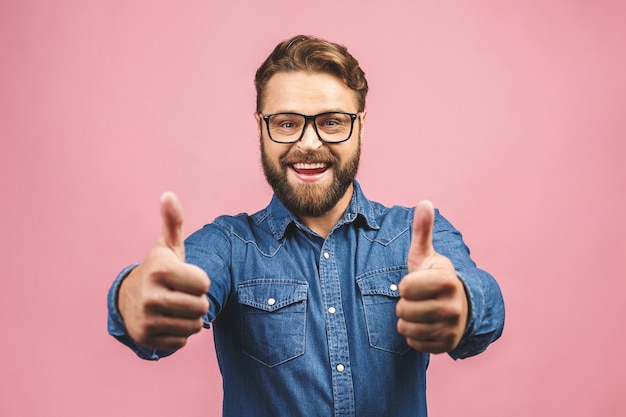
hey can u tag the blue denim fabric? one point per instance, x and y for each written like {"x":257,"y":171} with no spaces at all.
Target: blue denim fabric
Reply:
{"x":306,"y":326}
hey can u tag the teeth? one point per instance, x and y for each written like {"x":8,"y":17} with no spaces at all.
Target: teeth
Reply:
{"x":316,"y":165}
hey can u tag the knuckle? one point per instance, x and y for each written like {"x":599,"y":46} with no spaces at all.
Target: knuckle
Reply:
{"x":148,"y":326}
{"x":160,"y":270}
{"x":171,"y":343}
{"x":143,"y":335}
{"x":154,"y":300}
{"x":207,"y":285}
{"x":409,"y":284}
{"x":448,"y":312}
{"x":446,"y":339}
{"x":400,"y":309}
{"x":449,"y":281}
{"x":180,"y":342}
{"x":205,"y":305}
{"x":197,"y":307}
{"x":197,"y":326}
{"x":400,"y":326}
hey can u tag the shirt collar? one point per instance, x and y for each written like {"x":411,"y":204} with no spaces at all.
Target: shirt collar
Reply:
{"x":280,"y":218}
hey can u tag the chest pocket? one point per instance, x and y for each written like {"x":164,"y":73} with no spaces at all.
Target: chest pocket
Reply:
{"x":379,"y":292}
{"x":273,"y":319}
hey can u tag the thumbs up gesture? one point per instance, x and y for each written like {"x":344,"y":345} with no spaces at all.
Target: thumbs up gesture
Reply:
{"x":162,"y":301}
{"x":433,"y":308}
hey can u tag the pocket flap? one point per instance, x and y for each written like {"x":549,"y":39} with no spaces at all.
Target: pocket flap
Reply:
{"x":384,"y":283}
{"x":271,"y":294}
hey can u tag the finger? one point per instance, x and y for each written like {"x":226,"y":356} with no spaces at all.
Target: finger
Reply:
{"x":432,"y":338}
{"x":178,"y":304}
{"x":421,"y":249}
{"x":434,"y":347}
{"x":425,"y":311}
{"x":178,"y":276}
{"x":170,"y":334}
{"x":175,"y":326}
{"x":429,"y":284}
{"x":419,"y":331}
{"x":172,"y":217}
{"x":429,"y":312}
{"x":164,"y":342}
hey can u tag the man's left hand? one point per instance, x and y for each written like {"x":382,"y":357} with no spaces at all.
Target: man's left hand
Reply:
{"x":433,"y":307}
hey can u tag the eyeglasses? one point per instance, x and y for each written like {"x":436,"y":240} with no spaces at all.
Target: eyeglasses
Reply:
{"x":331,"y":127}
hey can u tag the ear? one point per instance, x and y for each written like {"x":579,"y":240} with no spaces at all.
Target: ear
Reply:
{"x":362,"y":123}
{"x":257,"y":116}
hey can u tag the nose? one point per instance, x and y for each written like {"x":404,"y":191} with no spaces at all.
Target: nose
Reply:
{"x":310,"y":140}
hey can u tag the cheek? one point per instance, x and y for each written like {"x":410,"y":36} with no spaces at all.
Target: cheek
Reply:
{"x":348,"y":154}
{"x":272,"y":151}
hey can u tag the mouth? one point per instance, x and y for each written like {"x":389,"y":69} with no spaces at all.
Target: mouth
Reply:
{"x":310,"y":168}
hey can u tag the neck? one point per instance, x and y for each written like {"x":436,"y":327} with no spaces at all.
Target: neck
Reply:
{"x":322,"y":225}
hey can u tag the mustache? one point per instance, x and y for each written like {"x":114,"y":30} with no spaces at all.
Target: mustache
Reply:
{"x":322,"y":155}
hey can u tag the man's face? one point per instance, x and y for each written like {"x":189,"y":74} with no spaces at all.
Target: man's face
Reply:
{"x":310,"y":177}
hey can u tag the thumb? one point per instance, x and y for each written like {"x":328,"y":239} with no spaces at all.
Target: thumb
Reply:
{"x":172,"y":217}
{"x":421,"y":249}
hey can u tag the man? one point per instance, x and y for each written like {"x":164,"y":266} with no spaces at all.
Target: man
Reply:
{"x":324,"y":303}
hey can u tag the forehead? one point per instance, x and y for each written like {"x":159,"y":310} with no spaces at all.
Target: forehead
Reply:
{"x":308,"y":93}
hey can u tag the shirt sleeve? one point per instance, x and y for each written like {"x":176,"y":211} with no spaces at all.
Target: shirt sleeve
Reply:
{"x":486,"y":305}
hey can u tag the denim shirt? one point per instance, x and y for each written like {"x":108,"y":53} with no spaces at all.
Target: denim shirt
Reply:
{"x":306,"y":326}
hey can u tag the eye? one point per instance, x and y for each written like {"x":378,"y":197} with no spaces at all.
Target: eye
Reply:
{"x":281,"y":120}
{"x":333,"y":122}
{"x":285,"y":124}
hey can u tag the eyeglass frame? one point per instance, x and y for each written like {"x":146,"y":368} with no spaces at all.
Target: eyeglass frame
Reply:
{"x":353,"y":117}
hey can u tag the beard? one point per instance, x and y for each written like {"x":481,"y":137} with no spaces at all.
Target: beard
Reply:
{"x":310,"y":200}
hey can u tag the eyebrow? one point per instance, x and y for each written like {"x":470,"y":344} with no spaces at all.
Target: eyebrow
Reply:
{"x":335,"y":110}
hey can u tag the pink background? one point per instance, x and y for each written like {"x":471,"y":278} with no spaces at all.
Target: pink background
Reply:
{"x":510,"y":116}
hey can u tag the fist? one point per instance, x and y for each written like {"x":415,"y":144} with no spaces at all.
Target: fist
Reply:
{"x":163,"y":300}
{"x":432,"y":310}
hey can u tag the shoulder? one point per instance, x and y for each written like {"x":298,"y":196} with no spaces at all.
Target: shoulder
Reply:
{"x":231,"y":230}
{"x":226,"y":225}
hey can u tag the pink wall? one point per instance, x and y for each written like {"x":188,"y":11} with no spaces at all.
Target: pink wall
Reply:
{"x":510,"y":116}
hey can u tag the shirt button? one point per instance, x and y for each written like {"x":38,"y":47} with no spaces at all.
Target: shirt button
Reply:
{"x":326,"y":255}
{"x":393,"y":287}
{"x":340,"y":368}
{"x":271,"y":302}
{"x":332,"y":310}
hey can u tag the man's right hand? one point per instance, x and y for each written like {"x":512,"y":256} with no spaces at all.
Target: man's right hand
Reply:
{"x":162,"y":301}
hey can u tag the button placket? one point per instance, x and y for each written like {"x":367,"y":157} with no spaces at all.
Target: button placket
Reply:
{"x":337,"y":334}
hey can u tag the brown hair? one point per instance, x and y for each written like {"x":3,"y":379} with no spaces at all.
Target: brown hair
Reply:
{"x":307,"y":53}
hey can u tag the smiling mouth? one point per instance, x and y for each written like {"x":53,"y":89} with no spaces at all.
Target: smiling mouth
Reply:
{"x":311,"y":168}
